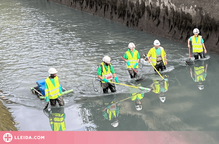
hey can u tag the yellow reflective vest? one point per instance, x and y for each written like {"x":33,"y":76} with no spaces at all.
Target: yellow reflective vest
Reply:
{"x":132,"y":59}
{"x":199,"y":73}
{"x":197,"y":46}
{"x":53,"y":90}
{"x":106,"y":74}
{"x":153,"y":55}
{"x":57,"y":121}
{"x":156,"y":86}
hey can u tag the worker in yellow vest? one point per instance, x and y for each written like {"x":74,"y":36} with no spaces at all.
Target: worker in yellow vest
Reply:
{"x":53,"y":90}
{"x":105,"y":73}
{"x":200,"y":73}
{"x":157,"y":56}
{"x":132,"y":59}
{"x":56,"y":118}
{"x":197,"y":44}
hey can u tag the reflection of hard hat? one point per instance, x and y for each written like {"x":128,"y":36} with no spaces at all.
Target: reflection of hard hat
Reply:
{"x":131,"y":45}
{"x":201,"y":87}
{"x":52,"y":71}
{"x":156,"y":43}
{"x":196,"y":31}
{"x":106,"y":59}
{"x":115,"y":123}
{"x":138,"y":107}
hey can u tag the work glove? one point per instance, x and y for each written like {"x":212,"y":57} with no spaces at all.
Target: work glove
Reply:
{"x":116,"y":79}
{"x":105,"y":80}
{"x":128,"y":63}
{"x":135,"y":64}
{"x":47,"y":99}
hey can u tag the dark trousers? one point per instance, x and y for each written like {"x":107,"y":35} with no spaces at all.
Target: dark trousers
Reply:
{"x":132,"y":73}
{"x":160,"y":66}
{"x":59,"y":100}
{"x":199,"y":54}
{"x":107,"y":86}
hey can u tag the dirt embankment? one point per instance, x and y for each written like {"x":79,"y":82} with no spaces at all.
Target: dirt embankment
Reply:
{"x":174,"y":19}
{"x":6,"y":121}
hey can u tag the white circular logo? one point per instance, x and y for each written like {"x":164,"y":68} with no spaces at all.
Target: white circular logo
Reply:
{"x":7,"y":137}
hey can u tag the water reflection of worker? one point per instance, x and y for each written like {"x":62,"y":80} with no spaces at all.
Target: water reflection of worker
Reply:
{"x":200,"y":73}
{"x":137,"y":97}
{"x":160,"y":87}
{"x":111,"y":113}
{"x":56,"y":118}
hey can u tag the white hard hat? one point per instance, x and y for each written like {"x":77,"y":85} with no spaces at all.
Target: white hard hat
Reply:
{"x":201,"y":87}
{"x":156,"y":43}
{"x":196,"y":31}
{"x":115,"y":123}
{"x":138,"y":107}
{"x":106,"y":59}
{"x":52,"y":71}
{"x":131,"y":45}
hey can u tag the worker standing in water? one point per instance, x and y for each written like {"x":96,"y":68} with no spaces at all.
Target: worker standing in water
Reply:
{"x":106,"y":72}
{"x":132,"y":59}
{"x":197,"y":44}
{"x":157,"y":56}
{"x":53,"y":90}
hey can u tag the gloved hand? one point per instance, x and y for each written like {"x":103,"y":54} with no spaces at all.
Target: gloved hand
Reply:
{"x":47,"y":99}
{"x":135,"y":65}
{"x":165,"y":79}
{"x":128,"y":63}
{"x":116,"y":79}
{"x":105,"y":80}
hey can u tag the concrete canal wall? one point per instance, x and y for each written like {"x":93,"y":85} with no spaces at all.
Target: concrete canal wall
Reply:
{"x":174,"y":19}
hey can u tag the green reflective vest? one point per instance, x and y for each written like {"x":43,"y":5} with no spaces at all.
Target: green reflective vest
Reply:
{"x":57,"y":122}
{"x":132,"y":59}
{"x":153,"y":55}
{"x":197,"y":46}
{"x":106,"y":74}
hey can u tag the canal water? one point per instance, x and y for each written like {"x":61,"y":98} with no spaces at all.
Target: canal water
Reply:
{"x":36,"y":35}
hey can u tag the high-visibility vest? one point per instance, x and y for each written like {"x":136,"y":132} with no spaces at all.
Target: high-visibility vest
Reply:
{"x":132,"y":59}
{"x":52,"y":91}
{"x":57,"y":121}
{"x":106,"y":74}
{"x":197,"y":46}
{"x":153,"y":55}
{"x":135,"y":96}
{"x":156,"y":88}
{"x":199,"y":73}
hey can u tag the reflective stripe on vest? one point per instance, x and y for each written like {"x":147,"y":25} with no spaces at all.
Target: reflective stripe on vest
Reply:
{"x":197,"y":46}
{"x":199,"y":73}
{"x":57,"y":120}
{"x":52,"y":91}
{"x":106,"y":74}
{"x":135,"y":96}
{"x":132,"y":60}
{"x":153,"y":55}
